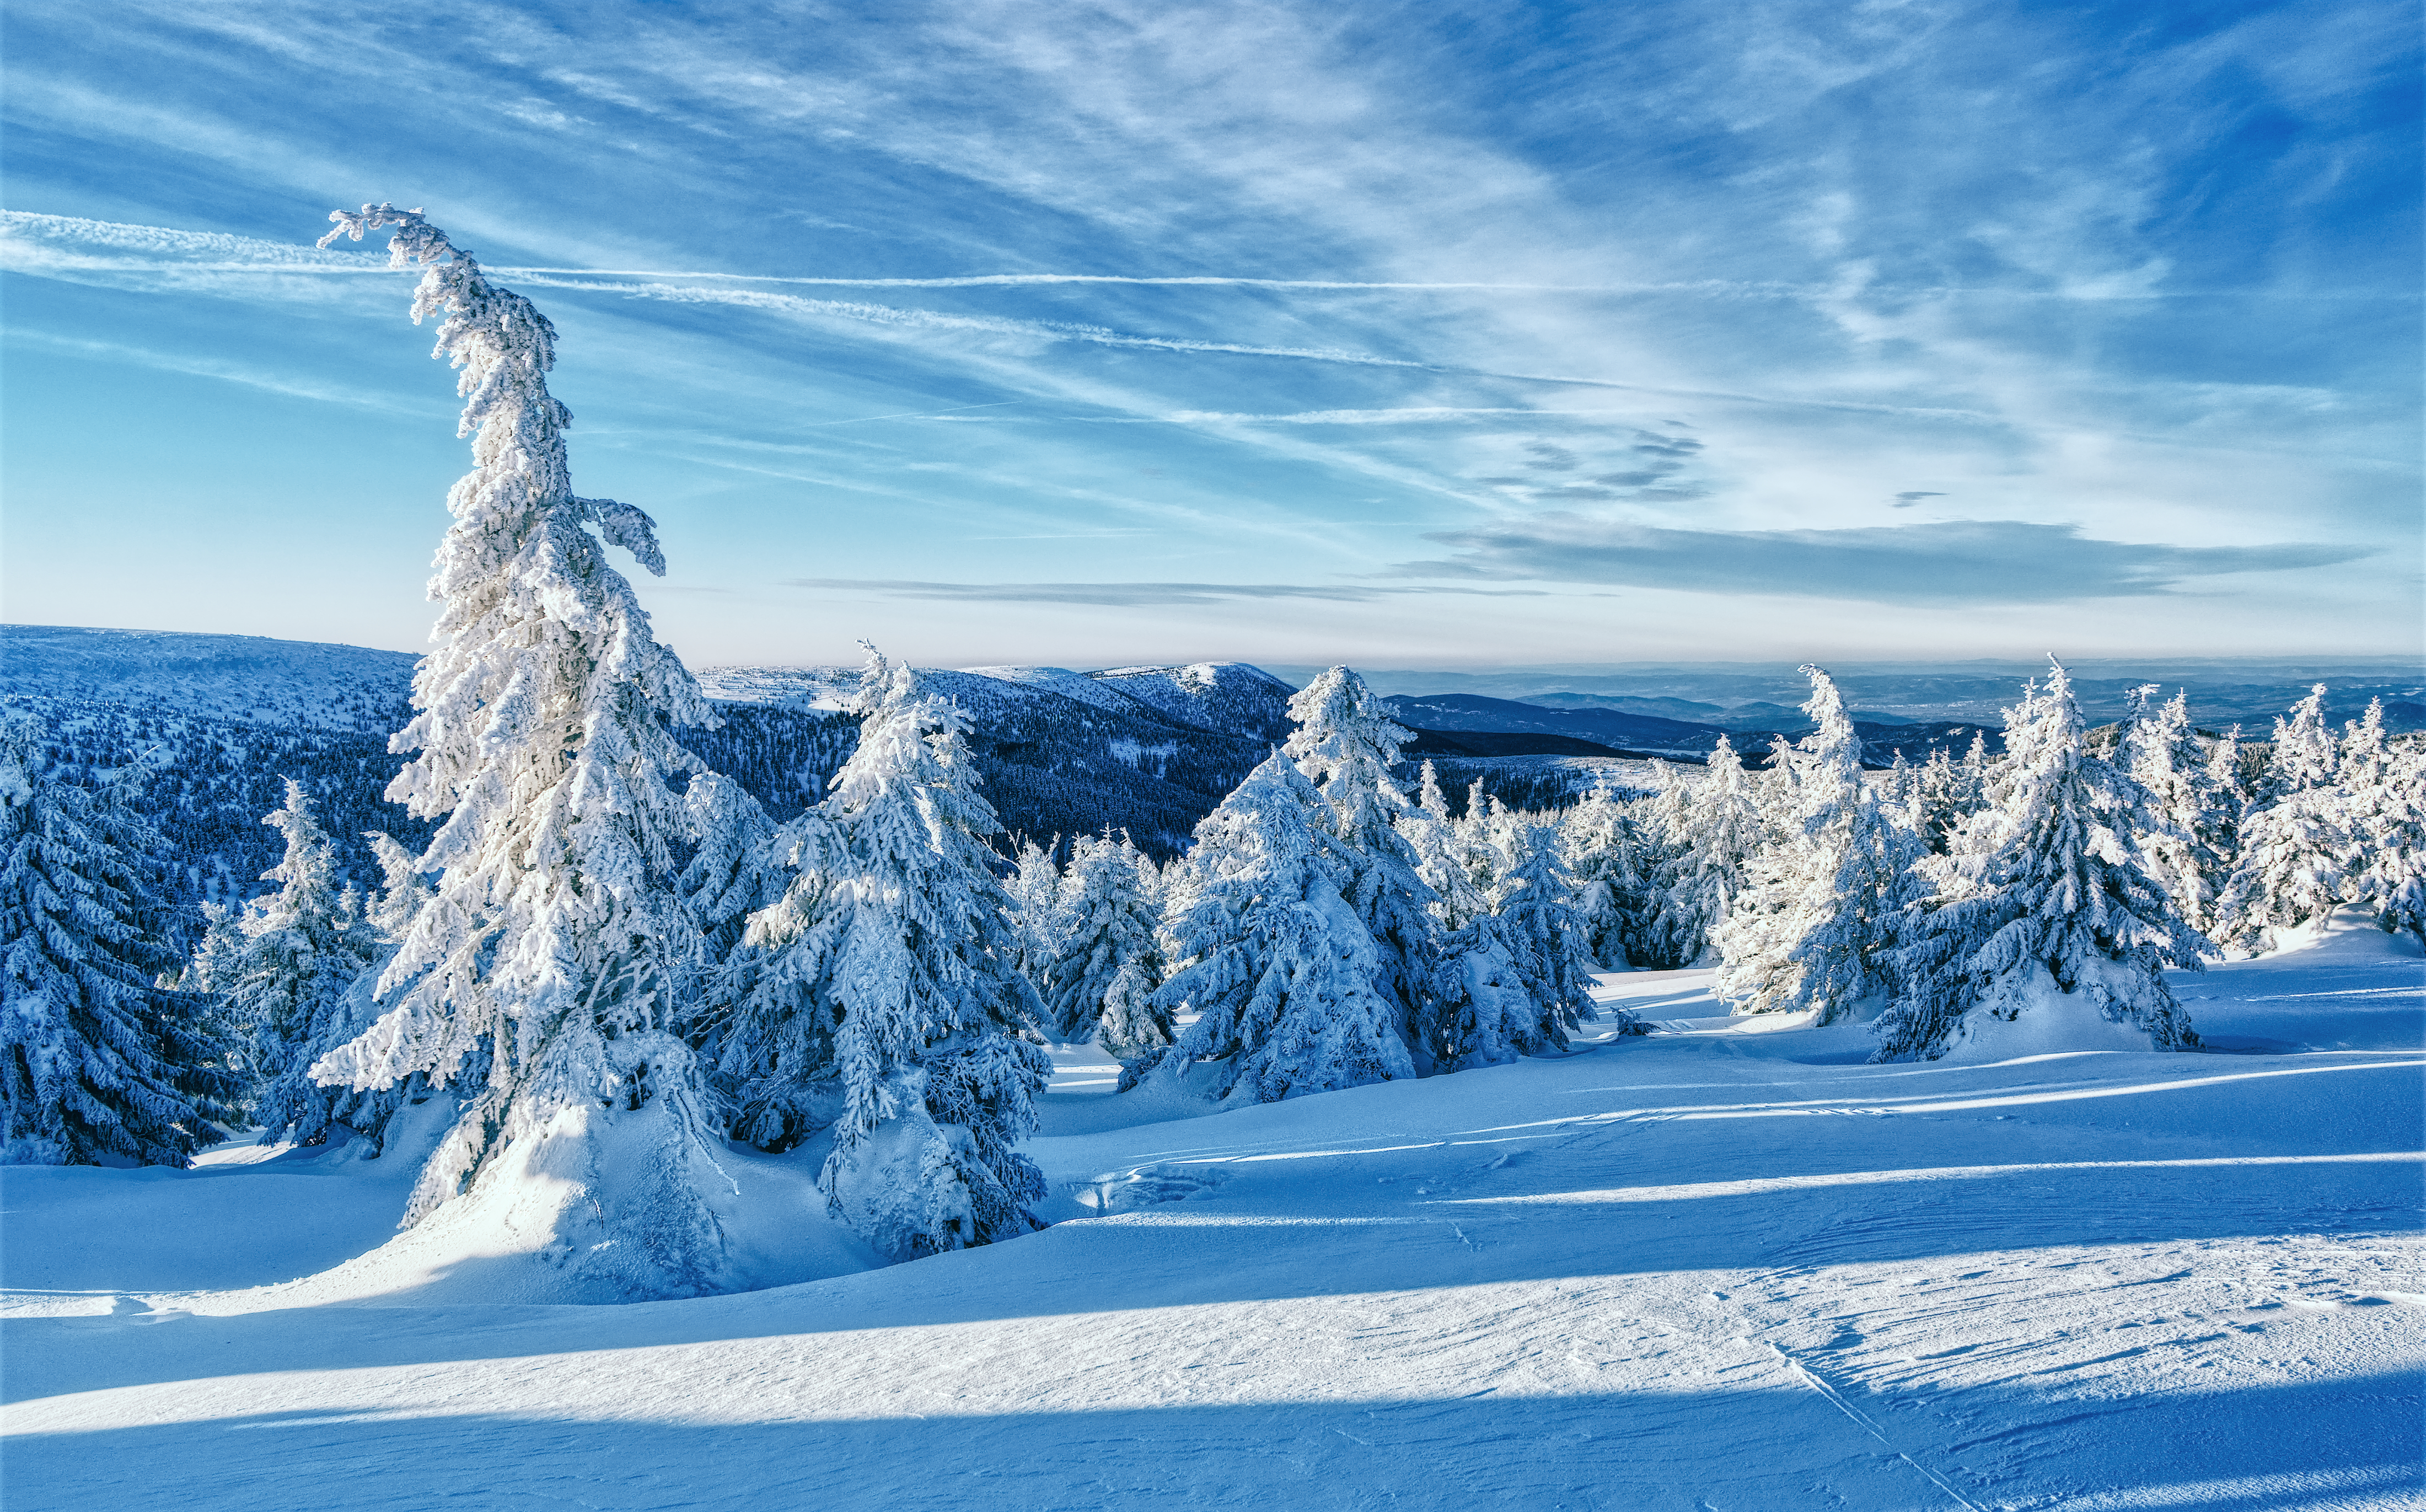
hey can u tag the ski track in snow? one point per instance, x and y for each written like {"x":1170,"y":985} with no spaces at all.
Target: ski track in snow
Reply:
{"x":1725,"y":1267}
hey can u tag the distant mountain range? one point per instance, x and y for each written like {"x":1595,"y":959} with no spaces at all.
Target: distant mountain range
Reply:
{"x":2246,"y":691}
{"x":1624,"y":732}
{"x":220,"y":720}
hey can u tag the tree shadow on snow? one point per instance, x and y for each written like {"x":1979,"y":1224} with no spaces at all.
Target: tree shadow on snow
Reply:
{"x":1763,"y":1442}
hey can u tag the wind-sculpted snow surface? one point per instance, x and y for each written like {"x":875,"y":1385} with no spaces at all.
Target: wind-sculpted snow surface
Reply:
{"x":1724,"y":1265}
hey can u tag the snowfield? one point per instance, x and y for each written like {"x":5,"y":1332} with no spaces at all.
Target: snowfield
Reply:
{"x":1727,"y":1266}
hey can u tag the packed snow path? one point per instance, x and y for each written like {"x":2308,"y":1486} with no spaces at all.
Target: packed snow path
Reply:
{"x":1726,"y":1267}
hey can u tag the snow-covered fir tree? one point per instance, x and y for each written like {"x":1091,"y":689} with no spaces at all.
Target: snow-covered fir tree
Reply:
{"x":1442,"y":847}
{"x":2177,"y":838}
{"x":732,"y":874}
{"x":1947,"y":792}
{"x":1278,"y":965}
{"x":1100,"y":985}
{"x":2385,"y":808}
{"x":1720,"y":832}
{"x":286,"y":977}
{"x":1525,"y":975}
{"x":891,"y":978}
{"x":1035,"y":891}
{"x":2042,"y":911}
{"x":2304,"y":753}
{"x":1848,"y":961}
{"x":552,"y":950}
{"x":2295,"y":839}
{"x":1597,"y":840}
{"x":1668,"y":930}
{"x":1791,"y":891}
{"x":1346,"y":745}
{"x":98,"y":1064}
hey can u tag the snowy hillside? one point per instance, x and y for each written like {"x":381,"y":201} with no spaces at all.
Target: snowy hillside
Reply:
{"x":250,"y":679}
{"x":1227,"y":697}
{"x":1724,"y":1266}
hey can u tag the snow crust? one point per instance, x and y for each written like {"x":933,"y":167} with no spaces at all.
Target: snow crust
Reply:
{"x":1722,"y":1265}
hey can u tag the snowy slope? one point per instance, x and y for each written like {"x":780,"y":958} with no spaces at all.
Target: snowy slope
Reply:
{"x":1724,"y":1266}
{"x":246,"y":678}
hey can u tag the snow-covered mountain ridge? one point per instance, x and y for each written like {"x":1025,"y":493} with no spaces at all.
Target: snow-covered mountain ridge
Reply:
{"x":251,"y":679}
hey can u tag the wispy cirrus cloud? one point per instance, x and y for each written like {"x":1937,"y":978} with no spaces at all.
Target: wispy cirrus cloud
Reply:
{"x":1267,"y":275}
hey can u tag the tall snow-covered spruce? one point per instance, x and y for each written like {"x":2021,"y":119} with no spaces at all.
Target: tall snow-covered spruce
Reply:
{"x":1283,"y":974}
{"x":1101,"y":981}
{"x":98,"y":1066}
{"x":544,"y":967}
{"x":286,"y":971}
{"x":2044,"y":933}
{"x":1812,"y":925}
{"x":1345,"y":744}
{"x":890,"y":1001}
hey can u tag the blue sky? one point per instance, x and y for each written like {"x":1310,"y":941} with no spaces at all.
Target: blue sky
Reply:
{"x":1422,"y":335}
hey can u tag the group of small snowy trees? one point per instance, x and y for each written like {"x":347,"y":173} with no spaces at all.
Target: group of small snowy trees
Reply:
{"x":610,"y":958}
{"x":2055,"y":879}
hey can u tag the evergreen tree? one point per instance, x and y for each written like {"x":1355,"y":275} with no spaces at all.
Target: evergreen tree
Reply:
{"x":892,"y":979}
{"x":1791,"y":889}
{"x":98,"y":1065}
{"x":1667,"y":933}
{"x":2041,"y":906}
{"x":775,"y":1051}
{"x":732,"y":874}
{"x":1848,"y":957}
{"x":1599,"y":842}
{"x":286,"y":980}
{"x":1528,"y":978}
{"x":2176,"y":838}
{"x":556,"y":943}
{"x":1035,"y":891}
{"x":1102,"y":981}
{"x":1277,"y":964}
{"x":2295,"y":839}
{"x":1442,"y":847}
{"x":1346,"y":745}
{"x":1719,"y":834}
{"x":1948,"y":792}
{"x":2385,"y":788}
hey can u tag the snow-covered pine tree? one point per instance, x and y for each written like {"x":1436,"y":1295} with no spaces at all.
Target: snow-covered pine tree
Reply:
{"x":2385,"y":788}
{"x":1721,"y":833}
{"x":1035,"y":892}
{"x":1669,"y":931}
{"x":2175,"y":840}
{"x":896,"y":949}
{"x":1791,"y":889}
{"x":1848,"y":961}
{"x":1100,"y":984}
{"x":1346,"y":745}
{"x":2304,"y":753}
{"x":1279,"y":968}
{"x":286,"y":981}
{"x":1597,"y":841}
{"x":98,"y":1065}
{"x":2041,"y":909}
{"x":558,"y":937}
{"x":1442,"y":847}
{"x":1529,"y":980}
{"x":2295,"y":838}
{"x":731,"y":875}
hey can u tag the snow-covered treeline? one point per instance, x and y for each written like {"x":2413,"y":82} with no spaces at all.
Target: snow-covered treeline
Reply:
{"x":600,"y":960}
